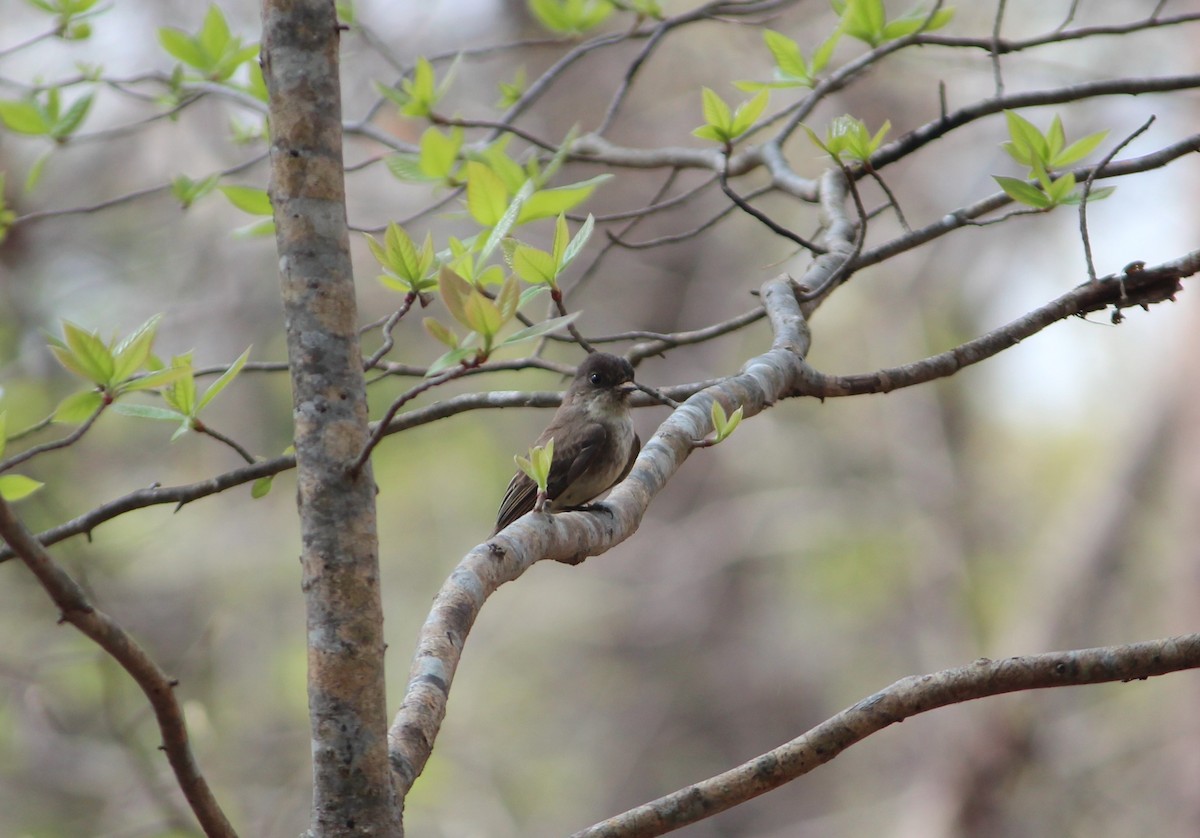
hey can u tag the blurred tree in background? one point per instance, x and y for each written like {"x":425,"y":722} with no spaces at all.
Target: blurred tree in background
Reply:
{"x":629,"y":176}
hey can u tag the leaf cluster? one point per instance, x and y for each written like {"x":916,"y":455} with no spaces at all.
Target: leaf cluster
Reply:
{"x":537,"y":464}
{"x":572,"y":17}
{"x":1044,"y":153}
{"x":848,"y":138}
{"x":867,"y":21}
{"x":723,"y":124}
{"x":214,"y":51}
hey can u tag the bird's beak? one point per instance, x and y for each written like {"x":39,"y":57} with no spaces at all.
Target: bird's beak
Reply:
{"x":627,"y":387}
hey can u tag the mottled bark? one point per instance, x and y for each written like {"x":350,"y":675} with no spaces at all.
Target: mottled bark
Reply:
{"x":353,"y":794}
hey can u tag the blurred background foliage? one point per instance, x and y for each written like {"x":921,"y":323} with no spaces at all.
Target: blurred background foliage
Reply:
{"x":1043,"y":500}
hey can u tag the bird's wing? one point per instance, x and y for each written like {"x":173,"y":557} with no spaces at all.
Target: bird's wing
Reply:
{"x":518,"y":500}
{"x":633,"y":453}
{"x":572,"y":461}
{"x":569,"y":463}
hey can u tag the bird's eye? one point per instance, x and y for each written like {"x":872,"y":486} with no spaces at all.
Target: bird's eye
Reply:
{"x":595,"y":378}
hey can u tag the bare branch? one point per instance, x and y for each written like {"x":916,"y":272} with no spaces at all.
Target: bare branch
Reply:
{"x":902,"y":700}
{"x":108,"y":635}
{"x":67,"y":441}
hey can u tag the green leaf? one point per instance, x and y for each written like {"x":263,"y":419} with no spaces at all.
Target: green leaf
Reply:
{"x":534,"y":266}
{"x":23,"y":117}
{"x":1078,"y":150}
{"x":407,"y":167}
{"x":90,"y":353}
{"x":562,"y":237}
{"x":1095,"y":195}
{"x":1023,"y":192}
{"x":576,"y":244}
{"x":487,"y":198}
{"x":455,"y":290}
{"x":439,"y":153}
{"x":132,"y":353}
{"x":78,"y":407}
{"x":716,"y":112}
{"x":248,"y":199}
{"x":224,"y":381}
{"x":68,"y":122}
{"x":503,"y":166}
{"x":547,"y":203}
{"x":482,"y":315}
{"x":570,"y":17}
{"x":451,"y":359}
{"x":440,"y":333}
{"x":180,"y":45}
{"x":509,"y":299}
{"x":149,"y":411}
{"x":1027,"y":143}
{"x":14,"y":487}
{"x":181,"y":394}
{"x":724,"y":425}
{"x":214,"y":34}
{"x":261,"y":487}
{"x":786,"y":52}
{"x":507,"y":221}
{"x":539,"y":329}
{"x":158,"y":378}
{"x":748,"y":113}
{"x":35,"y":171}
{"x":264,"y":227}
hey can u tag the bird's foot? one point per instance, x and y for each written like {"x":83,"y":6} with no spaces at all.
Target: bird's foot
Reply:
{"x":594,"y":507}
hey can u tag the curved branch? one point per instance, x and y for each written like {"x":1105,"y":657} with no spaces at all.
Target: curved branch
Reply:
{"x":570,"y":537}
{"x":108,"y":635}
{"x":904,"y":699}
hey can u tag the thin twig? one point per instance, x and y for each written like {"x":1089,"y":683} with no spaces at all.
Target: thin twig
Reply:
{"x":201,"y":428}
{"x":770,"y":223}
{"x":388,"y":325}
{"x":66,"y":441}
{"x":381,"y":427}
{"x":1087,"y":191}
{"x":997,"y":76}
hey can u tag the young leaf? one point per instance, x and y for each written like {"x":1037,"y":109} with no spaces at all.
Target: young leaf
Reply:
{"x":224,"y":381}
{"x":547,"y":203}
{"x":14,"y":487}
{"x":149,"y":411}
{"x":440,"y":332}
{"x":261,"y":487}
{"x":23,"y":117}
{"x":131,"y":353}
{"x":533,"y":265}
{"x":1078,"y":150}
{"x":78,"y":407}
{"x":90,"y":353}
{"x":487,"y":198}
{"x":716,"y":112}
{"x":248,"y":199}
{"x":1023,"y":192}
{"x":577,"y":244}
{"x":539,"y":329}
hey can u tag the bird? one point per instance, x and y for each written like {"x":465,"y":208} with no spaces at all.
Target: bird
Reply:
{"x":594,"y":441}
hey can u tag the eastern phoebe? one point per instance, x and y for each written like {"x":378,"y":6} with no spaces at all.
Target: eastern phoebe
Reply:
{"x":594,"y":441}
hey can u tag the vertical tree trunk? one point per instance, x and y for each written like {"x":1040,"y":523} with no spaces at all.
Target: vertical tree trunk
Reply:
{"x":353,"y":793}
